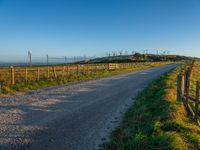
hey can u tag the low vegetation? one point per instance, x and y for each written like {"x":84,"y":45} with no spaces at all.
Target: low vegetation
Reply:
{"x":157,"y":121}
{"x":195,"y":76}
{"x":72,"y":77}
{"x":137,"y":57}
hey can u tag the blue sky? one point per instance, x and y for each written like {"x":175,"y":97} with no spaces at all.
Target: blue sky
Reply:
{"x":94,"y":27}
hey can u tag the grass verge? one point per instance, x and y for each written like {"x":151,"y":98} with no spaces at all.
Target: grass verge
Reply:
{"x":33,"y":85}
{"x":156,"y":121}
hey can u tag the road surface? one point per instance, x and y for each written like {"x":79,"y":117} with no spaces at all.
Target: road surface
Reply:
{"x":78,"y":116}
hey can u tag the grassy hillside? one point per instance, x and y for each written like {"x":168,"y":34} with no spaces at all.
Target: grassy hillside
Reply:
{"x":157,"y":121}
{"x":138,"y":58}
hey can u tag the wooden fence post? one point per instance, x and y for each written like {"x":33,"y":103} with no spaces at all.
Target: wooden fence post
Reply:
{"x":182,"y":85}
{"x":179,"y":85}
{"x":183,"y":91}
{"x":77,"y":69}
{"x":48,"y":72}
{"x":197,"y":101}
{"x":26,"y":74}
{"x":38,"y":73}
{"x":67,"y":69}
{"x":185,"y":83}
{"x":54,"y":72}
{"x":187,"y":80}
{"x":87,"y":69}
{"x":12,"y":71}
{"x":107,"y":67}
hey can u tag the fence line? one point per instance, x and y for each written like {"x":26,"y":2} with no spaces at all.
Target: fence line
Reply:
{"x":12,"y":75}
{"x":183,"y":88}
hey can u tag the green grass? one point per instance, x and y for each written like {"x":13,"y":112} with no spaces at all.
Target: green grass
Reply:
{"x":195,"y":76}
{"x":157,"y":121}
{"x":32,"y":85}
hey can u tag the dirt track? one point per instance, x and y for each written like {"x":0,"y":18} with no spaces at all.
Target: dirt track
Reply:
{"x":70,"y":117}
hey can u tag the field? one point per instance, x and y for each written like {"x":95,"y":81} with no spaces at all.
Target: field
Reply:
{"x":157,"y":120}
{"x":195,"y":76}
{"x":29,"y":78}
{"x":188,"y":88}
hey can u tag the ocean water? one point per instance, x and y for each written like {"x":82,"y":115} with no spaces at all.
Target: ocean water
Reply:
{"x":7,"y":64}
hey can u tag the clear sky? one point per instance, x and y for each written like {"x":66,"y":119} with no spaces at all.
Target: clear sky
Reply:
{"x":94,"y":27}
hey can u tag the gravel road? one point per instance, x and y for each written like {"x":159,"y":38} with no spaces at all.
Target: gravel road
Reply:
{"x":78,"y":116}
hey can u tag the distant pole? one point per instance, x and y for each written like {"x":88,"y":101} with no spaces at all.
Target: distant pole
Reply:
{"x":12,"y":75}
{"x":85,"y":58}
{"x":30,"y":59}
{"x":65,"y":59}
{"x":47,"y":59}
{"x":113,"y":53}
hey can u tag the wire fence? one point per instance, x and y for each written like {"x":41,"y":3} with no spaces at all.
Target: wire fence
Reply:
{"x":12,"y":75}
{"x":46,"y":60}
{"x":183,"y":93}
